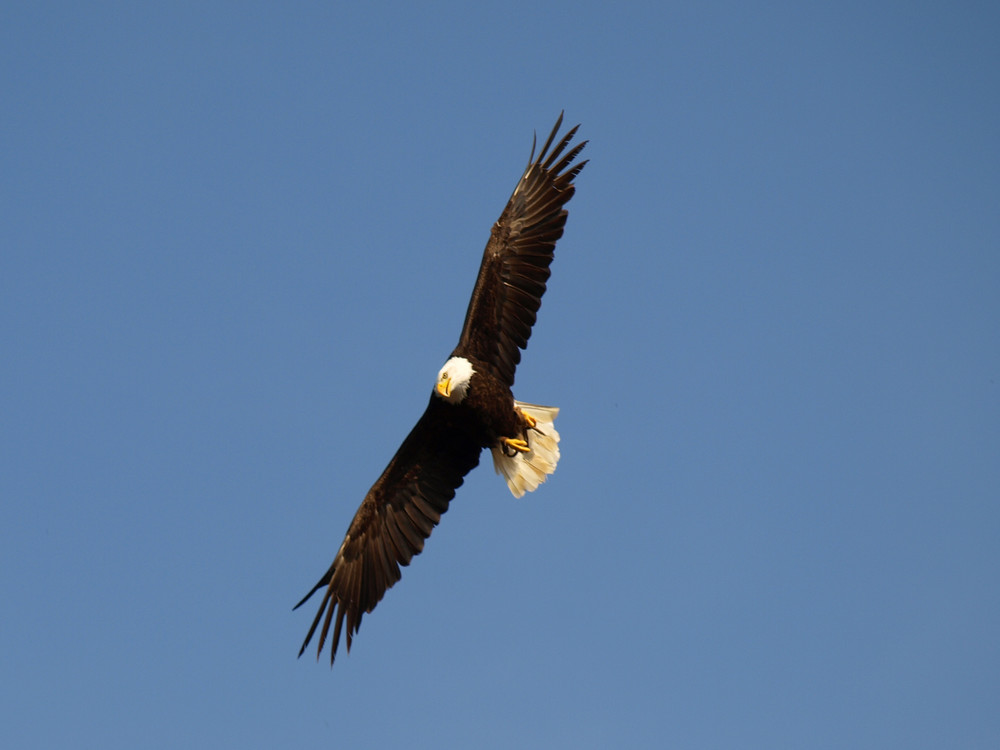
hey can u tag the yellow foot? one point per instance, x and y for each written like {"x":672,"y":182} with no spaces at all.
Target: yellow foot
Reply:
{"x":529,"y":420}
{"x":516,"y":446}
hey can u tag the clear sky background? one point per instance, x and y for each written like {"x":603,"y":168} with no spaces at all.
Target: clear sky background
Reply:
{"x":237,"y":241}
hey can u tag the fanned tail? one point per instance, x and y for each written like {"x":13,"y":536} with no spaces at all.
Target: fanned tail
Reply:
{"x":523,"y":472}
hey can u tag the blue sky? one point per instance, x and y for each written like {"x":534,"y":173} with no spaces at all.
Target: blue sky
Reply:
{"x":237,"y":243}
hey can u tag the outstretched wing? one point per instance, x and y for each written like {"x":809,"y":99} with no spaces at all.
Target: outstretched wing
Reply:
{"x":397,"y":515}
{"x":516,"y":261}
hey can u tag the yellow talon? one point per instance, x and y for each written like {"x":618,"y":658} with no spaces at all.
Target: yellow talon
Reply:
{"x":516,"y":445}
{"x":529,"y":420}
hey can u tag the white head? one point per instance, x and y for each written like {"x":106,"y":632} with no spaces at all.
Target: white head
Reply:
{"x":453,"y":380}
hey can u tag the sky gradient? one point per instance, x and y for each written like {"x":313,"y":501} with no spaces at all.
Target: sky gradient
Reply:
{"x":237,"y":242}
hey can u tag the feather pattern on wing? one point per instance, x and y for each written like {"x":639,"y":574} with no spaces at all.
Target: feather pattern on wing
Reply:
{"x":516,"y":260}
{"x":397,"y":515}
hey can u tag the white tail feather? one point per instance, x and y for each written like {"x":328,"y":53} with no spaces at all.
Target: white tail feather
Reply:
{"x":525,"y":471}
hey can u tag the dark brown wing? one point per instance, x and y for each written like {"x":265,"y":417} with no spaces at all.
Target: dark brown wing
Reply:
{"x":516,"y":261}
{"x":397,"y":515}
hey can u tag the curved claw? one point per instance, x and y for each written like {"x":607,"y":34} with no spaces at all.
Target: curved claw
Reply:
{"x":528,"y":420}
{"x":515,"y":445}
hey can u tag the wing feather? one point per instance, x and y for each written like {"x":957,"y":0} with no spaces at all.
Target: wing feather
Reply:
{"x":397,"y":515}
{"x":515,"y":267}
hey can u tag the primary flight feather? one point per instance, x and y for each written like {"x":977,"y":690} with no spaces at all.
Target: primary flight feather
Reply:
{"x":471,"y":406}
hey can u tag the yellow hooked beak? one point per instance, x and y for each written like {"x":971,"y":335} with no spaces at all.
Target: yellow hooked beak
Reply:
{"x":444,"y":386}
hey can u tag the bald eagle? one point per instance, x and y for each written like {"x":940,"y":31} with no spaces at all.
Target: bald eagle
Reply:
{"x":471,"y":405}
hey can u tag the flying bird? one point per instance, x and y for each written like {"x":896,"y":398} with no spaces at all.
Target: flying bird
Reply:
{"x":471,"y":405}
